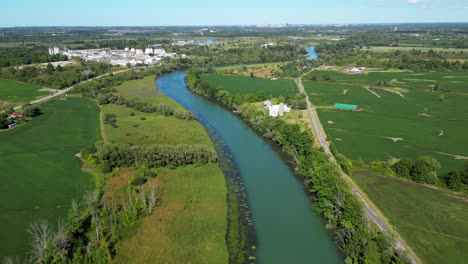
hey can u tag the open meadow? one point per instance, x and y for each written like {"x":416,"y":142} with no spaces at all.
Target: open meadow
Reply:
{"x":433,"y":222}
{"x":247,"y":85}
{"x":392,"y":124}
{"x":189,"y":224}
{"x":18,"y":93}
{"x":39,"y":171}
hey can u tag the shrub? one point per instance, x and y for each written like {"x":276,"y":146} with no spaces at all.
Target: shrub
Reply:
{"x":139,"y":181}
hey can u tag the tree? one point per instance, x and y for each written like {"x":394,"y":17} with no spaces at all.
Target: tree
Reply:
{"x":252,"y":75}
{"x":42,"y":235}
{"x":403,"y":167}
{"x":425,"y":170}
{"x":30,"y":111}
{"x":50,"y":69}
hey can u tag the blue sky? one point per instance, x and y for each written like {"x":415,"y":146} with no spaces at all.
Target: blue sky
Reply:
{"x":236,"y":12}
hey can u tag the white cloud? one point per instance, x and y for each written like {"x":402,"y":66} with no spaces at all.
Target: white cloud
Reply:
{"x":415,"y":1}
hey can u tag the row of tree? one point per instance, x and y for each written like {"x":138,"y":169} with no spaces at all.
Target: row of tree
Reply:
{"x":24,"y":56}
{"x":146,"y":107}
{"x":55,"y":77}
{"x":153,"y":156}
{"x":355,"y":234}
{"x":426,"y":170}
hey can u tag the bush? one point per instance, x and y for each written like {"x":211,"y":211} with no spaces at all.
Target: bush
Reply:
{"x":142,"y":118}
{"x":139,"y":181}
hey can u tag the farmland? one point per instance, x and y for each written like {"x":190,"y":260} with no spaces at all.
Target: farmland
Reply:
{"x":18,"y":93}
{"x":392,"y":125}
{"x":433,"y":222}
{"x":189,"y":224}
{"x":246,"y":85}
{"x":40,"y":174}
{"x":449,"y":81}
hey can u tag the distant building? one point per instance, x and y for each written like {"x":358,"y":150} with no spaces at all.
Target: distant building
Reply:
{"x":346,"y":107}
{"x":267,"y":45}
{"x":267,"y":104}
{"x":54,"y":50}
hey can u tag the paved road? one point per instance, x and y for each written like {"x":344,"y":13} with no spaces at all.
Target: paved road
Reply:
{"x":66,"y":90}
{"x":370,"y":211}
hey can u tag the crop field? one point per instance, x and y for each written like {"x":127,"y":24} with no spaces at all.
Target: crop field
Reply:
{"x":40,"y":174}
{"x":450,"y":81}
{"x":433,"y":222}
{"x":392,"y":125}
{"x":189,"y":224}
{"x":18,"y":93}
{"x":247,"y":85}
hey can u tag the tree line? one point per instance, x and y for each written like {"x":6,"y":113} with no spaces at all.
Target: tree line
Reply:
{"x":145,"y":107}
{"x":426,"y":170}
{"x":153,"y":156}
{"x":55,"y":77}
{"x":26,"y":56}
{"x":354,"y":233}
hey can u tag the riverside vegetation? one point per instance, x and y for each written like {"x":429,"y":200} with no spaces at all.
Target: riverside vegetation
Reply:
{"x":359,"y":239}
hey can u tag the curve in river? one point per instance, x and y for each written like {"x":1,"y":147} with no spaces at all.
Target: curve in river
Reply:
{"x":286,"y":228}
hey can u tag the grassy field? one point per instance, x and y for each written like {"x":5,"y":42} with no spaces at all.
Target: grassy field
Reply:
{"x":246,"y":85}
{"x":450,"y":81}
{"x":18,"y":93}
{"x":433,"y":222}
{"x":40,"y":174}
{"x":393,"y":126}
{"x":189,"y":225}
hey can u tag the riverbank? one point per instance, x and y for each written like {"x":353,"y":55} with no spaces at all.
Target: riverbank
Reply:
{"x":189,"y":224}
{"x":286,"y":228}
{"x":344,"y":214}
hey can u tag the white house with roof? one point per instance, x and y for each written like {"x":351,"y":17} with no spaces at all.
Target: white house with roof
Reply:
{"x":276,"y":110}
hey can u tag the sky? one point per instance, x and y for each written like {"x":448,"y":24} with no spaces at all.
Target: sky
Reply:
{"x":19,"y":13}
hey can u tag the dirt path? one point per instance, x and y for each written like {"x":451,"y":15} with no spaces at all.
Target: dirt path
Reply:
{"x":371,"y":210}
{"x":373,"y":92}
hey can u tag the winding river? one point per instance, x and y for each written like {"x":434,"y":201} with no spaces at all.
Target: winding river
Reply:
{"x":286,"y":228}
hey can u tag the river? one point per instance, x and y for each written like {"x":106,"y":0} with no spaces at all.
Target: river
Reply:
{"x":286,"y":228}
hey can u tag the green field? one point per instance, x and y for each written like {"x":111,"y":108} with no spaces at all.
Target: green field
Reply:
{"x":421,"y":124}
{"x":18,"y":93}
{"x":433,"y":222}
{"x":40,"y":174}
{"x":450,"y":81}
{"x":247,"y":85}
{"x":189,"y":225}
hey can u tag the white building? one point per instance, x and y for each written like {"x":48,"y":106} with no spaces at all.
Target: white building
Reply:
{"x":276,"y":110}
{"x":54,"y":50}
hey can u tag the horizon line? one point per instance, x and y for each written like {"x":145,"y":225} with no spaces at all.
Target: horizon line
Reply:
{"x":235,"y":25}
